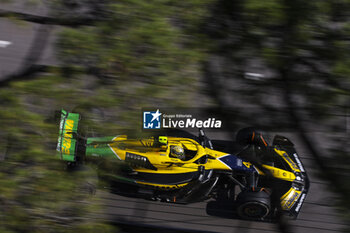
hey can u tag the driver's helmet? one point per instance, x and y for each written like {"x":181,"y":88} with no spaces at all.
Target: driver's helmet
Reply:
{"x":177,"y":152}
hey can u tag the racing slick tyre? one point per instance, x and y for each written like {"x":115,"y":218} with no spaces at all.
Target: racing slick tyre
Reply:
{"x":253,"y":205}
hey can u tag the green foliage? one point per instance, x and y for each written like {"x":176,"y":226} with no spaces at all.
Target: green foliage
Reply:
{"x":137,"y":56}
{"x":36,"y":193}
{"x":265,"y":13}
{"x":144,"y":51}
{"x":149,"y":53}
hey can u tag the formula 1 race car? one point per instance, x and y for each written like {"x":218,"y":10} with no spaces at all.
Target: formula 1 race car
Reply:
{"x":247,"y":173}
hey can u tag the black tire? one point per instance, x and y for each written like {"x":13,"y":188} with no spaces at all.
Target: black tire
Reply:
{"x":253,"y":205}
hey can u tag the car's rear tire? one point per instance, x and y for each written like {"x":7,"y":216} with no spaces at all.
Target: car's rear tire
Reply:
{"x":253,"y":205}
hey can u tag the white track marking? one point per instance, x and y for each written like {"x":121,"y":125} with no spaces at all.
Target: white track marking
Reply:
{"x":4,"y":43}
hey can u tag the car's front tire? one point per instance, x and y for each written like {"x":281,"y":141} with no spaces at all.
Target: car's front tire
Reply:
{"x":253,"y":205}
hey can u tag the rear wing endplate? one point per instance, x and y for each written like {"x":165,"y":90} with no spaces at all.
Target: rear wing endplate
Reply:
{"x":67,"y":143}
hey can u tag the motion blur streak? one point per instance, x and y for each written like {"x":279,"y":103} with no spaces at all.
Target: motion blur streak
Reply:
{"x":281,"y":66}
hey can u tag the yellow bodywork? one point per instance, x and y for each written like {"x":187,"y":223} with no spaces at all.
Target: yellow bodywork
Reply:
{"x":279,"y":173}
{"x":165,"y":164}
{"x":163,"y":186}
{"x":289,"y":198}
{"x":159,"y":156}
{"x":286,"y":158}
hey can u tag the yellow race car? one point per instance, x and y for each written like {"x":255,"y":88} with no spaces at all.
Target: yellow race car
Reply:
{"x":178,"y":167}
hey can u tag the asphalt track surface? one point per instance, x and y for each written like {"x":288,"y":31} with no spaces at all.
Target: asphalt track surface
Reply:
{"x":318,"y":213}
{"x":16,"y":40}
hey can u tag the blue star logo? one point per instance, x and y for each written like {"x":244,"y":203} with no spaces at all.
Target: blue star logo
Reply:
{"x":151,"y":120}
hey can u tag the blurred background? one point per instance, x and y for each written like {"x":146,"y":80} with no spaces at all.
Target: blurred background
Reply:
{"x":282,"y":66}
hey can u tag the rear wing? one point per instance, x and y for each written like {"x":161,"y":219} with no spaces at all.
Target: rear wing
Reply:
{"x":67,"y":142}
